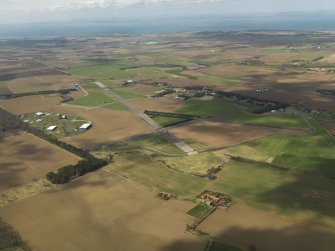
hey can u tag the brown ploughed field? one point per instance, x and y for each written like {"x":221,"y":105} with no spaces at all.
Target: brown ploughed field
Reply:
{"x":101,"y":211}
{"x":24,"y":157}
{"x":217,"y":134}
{"x":246,"y":226}
{"x":29,"y":104}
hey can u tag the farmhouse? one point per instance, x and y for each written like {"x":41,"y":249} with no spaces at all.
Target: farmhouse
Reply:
{"x":51,"y":128}
{"x":85,"y":126}
{"x":39,"y":114}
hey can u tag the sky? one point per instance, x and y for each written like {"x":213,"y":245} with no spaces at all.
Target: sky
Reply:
{"x":26,"y":11}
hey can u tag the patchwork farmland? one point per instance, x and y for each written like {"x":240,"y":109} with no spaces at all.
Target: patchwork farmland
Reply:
{"x":258,"y":117}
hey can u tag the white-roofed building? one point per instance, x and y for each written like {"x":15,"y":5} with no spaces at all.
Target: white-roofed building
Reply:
{"x":39,"y":114}
{"x":51,"y":128}
{"x":85,"y":126}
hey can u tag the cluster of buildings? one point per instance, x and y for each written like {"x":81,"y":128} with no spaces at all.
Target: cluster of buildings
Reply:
{"x":215,"y":199}
{"x":40,"y":117}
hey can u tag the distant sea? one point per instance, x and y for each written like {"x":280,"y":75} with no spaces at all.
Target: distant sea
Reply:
{"x":308,"y":22}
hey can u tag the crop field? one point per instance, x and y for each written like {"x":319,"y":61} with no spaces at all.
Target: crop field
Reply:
{"x":165,"y":121}
{"x":206,"y":107}
{"x":119,"y":214}
{"x":19,"y":106}
{"x":198,"y":210}
{"x":218,"y":134}
{"x":23,"y":157}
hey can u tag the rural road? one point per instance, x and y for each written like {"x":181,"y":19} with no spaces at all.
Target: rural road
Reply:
{"x":179,"y":143}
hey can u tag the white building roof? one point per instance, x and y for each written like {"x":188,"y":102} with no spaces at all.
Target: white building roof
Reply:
{"x":39,"y":113}
{"x":51,"y":128}
{"x":85,"y":126}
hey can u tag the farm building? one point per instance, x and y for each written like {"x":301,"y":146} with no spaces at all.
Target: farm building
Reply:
{"x":51,"y":128}
{"x":84,"y":127}
{"x":39,"y":114}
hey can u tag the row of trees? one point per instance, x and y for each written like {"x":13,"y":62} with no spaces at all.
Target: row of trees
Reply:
{"x":67,"y":173}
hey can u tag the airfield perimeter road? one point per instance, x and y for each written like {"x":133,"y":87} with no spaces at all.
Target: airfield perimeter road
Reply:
{"x":179,"y":143}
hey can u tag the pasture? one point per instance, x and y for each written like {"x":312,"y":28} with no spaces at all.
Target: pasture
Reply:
{"x":156,"y":176}
{"x":292,"y":152}
{"x":97,"y":97}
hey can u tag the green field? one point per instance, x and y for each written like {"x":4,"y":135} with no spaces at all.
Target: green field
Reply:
{"x":219,"y":80}
{"x":97,"y":97}
{"x":276,"y":190}
{"x":205,"y":107}
{"x":277,"y":119}
{"x":156,"y":176}
{"x":315,"y":153}
{"x":128,"y":95}
{"x":198,"y":210}
{"x":105,"y":70}
{"x":198,"y":163}
{"x":165,"y":121}
{"x":155,"y":142}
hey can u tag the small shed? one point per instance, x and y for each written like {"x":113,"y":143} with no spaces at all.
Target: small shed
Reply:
{"x":51,"y":128}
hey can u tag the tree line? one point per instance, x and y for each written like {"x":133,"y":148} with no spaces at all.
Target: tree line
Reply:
{"x":67,"y":173}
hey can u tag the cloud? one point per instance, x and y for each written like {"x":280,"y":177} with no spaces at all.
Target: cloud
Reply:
{"x":24,"y":6}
